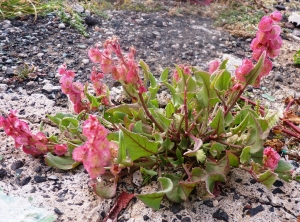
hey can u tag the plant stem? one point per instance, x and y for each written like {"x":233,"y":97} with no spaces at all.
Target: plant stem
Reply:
{"x":194,"y":122}
{"x":161,"y":129}
{"x":289,"y":105}
{"x":230,"y":145}
{"x":234,"y":101}
{"x":289,"y":132}
{"x":186,"y":114}
{"x":295,"y":128}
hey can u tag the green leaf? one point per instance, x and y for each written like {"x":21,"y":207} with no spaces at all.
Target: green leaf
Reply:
{"x":176,"y":194}
{"x":216,"y":149}
{"x":63,"y":163}
{"x":105,"y":188}
{"x":164,"y":75}
{"x":197,"y":144}
{"x":168,"y":144}
{"x":122,"y":148}
{"x":153,"y":200}
{"x":179,"y":160}
{"x":113,"y":136}
{"x":245,"y":155}
{"x":284,"y":170}
{"x":222,"y":166}
{"x":1,"y":158}
{"x":218,"y":122}
{"x":198,"y":174}
{"x":212,"y":179}
{"x":222,"y":81}
{"x":137,"y":145}
{"x":297,"y":58}
{"x":233,"y":159}
{"x":66,"y":121}
{"x":252,"y":76}
{"x":170,"y":109}
{"x":163,"y":121}
{"x":151,"y":173}
{"x":176,"y":99}
{"x":267,"y":178}
{"x":92,"y":99}
{"x":241,"y":127}
{"x":53,"y":139}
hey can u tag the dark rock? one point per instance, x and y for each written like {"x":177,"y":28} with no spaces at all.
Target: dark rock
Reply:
{"x":280,"y":7}
{"x":238,"y":180}
{"x":186,"y":219}
{"x":277,"y":87}
{"x":145,"y":217}
{"x":16,"y":165}
{"x":38,"y":169}
{"x":18,"y":171}
{"x":253,"y":181}
{"x":278,"y":183}
{"x":176,"y":208}
{"x":289,"y":25}
{"x":3,"y":173}
{"x":25,"y":181}
{"x":271,"y":209}
{"x":278,"y":77}
{"x":178,"y":216}
{"x":277,"y":190}
{"x":256,"y":210}
{"x":92,"y":21}
{"x":32,"y":190}
{"x":208,"y":203}
{"x":39,"y":179}
{"x":57,"y":211}
{"x":250,"y":89}
{"x":260,"y":190}
{"x":221,"y":215}
{"x":294,"y":163}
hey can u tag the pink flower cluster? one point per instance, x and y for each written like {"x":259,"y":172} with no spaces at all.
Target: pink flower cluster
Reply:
{"x":186,"y":70}
{"x":95,"y":152}
{"x":123,"y":68}
{"x":60,"y":149}
{"x":271,"y":158}
{"x":73,"y":89}
{"x":99,"y":87}
{"x":267,"y":39}
{"x":19,"y":130}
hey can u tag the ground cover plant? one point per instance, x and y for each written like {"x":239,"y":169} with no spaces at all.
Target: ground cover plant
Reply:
{"x":202,"y":131}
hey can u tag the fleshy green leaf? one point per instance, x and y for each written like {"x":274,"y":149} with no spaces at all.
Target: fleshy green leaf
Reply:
{"x":153,"y":200}
{"x":60,"y":162}
{"x":151,"y":173}
{"x":267,"y":178}
{"x":233,"y":159}
{"x":212,"y":179}
{"x":170,"y":109}
{"x":216,"y":149}
{"x":105,"y":188}
{"x":284,"y":170}
{"x":164,"y":75}
{"x":245,"y":155}
{"x":197,"y":144}
{"x":222,"y":81}
{"x":138,"y":145}
{"x":122,"y":148}
{"x":218,"y":122}
{"x":252,"y":76}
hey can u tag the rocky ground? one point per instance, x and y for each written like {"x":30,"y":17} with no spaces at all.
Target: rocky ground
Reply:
{"x":161,"y":40}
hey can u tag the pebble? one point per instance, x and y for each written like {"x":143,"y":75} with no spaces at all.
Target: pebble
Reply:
{"x":85,"y":61}
{"x":3,"y":173}
{"x":40,"y":55}
{"x":25,"y":181}
{"x":16,"y":165}
{"x":9,"y":71}
{"x":221,"y":215}
{"x":39,"y":179}
{"x":49,"y":88}
{"x":296,"y":32}
{"x":3,"y":87}
{"x":61,"y":26}
{"x":78,"y":8}
{"x":175,"y":46}
{"x":278,"y":77}
{"x":215,"y":203}
{"x":53,"y":177}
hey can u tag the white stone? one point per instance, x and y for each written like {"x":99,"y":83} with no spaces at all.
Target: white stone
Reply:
{"x":85,"y":61}
{"x":3,"y":88}
{"x":61,"y":26}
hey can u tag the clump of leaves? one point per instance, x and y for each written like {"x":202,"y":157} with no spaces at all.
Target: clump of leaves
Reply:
{"x":19,"y":8}
{"x":25,"y":71}
{"x":74,"y":19}
{"x":202,"y":131}
{"x":297,"y":58}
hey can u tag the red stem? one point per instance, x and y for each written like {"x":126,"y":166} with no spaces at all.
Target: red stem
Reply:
{"x":295,"y":128}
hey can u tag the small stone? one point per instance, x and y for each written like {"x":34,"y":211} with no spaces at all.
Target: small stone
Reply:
{"x":40,"y":55}
{"x":145,"y":217}
{"x":78,"y":8}
{"x":9,"y":71}
{"x":277,"y":190}
{"x":256,"y":210}
{"x":280,"y":7}
{"x":39,"y":179}
{"x":85,"y":61}
{"x":3,"y":87}
{"x":175,"y":46}
{"x":91,"y":21}
{"x":53,"y":177}
{"x":38,"y":169}
{"x":296,"y":32}
{"x":16,"y":165}
{"x":57,"y":211}
{"x":186,"y":219}
{"x":208,"y":203}
{"x":238,"y":180}
{"x":32,"y":190}
{"x":278,"y":183}
{"x":220,"y":215}
{"x":87,"y":12}
{"x":61,"y":26}
{"x":176,"y":208}
{"x":49,"y":88}
{"x":289,"y":25}
{"x":215,"y":203}
{"x":4,"y":68}
{"x":3,"y":173}
{"x":25,"y":181}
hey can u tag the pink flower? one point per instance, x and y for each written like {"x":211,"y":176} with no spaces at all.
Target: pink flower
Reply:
{"x":271,"y":158}
{"x":265,"y":24}
{"x":95,"y":152}
{"x":276,"y":16}
{"x":187,"y":70}
{"x":60,"y":149}
{"x":244,"y":70}
{"x":176,"y":76}
{"x":237,"y":87}
{"x":213,"y":66}
{"x":95,"y":55}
